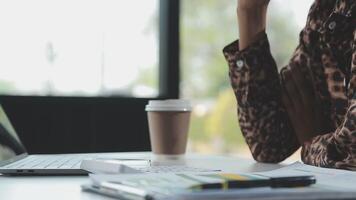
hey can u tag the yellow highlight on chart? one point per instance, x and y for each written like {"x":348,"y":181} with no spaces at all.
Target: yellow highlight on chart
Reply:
{"x":234,"y":177}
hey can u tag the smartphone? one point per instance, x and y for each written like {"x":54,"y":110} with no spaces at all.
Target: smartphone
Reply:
{"x":114,"y":166}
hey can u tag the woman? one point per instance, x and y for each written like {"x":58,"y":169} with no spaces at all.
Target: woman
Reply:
{"x":312,"y":102}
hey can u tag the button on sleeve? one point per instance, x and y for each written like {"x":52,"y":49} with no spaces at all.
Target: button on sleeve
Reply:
{"x":332,"y":25}
{"x":239,"y":64}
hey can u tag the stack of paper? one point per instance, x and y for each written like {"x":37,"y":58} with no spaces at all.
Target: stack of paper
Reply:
{"x":170,"y":185}
{"x":331,"y":184}
{"x":329,"y":179}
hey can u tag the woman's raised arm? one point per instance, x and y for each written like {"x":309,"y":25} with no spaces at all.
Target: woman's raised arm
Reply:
{"x":251,"y":19}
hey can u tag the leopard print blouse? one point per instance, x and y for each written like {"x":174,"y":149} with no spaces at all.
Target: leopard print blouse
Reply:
{"x":327,"y":52}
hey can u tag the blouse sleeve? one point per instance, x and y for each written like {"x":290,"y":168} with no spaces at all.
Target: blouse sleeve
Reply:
{"x":263,"y":119}
{"x":336,"y":149}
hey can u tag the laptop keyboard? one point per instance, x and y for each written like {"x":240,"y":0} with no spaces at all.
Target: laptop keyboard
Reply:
{"x":50,"y":162}
{"x":74,"y":161}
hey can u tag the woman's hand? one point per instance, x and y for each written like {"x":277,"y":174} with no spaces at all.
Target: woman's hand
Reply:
{"x":252,"y":20}
{"x":301,"y":103}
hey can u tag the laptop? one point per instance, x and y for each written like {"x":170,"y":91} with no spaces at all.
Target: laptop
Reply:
{"x":14,"y":160}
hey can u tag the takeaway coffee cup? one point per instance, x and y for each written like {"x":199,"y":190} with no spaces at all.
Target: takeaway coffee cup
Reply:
{"x":168,"y":122}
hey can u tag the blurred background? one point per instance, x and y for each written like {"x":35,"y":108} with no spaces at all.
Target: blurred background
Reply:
{"x":103,"y":48}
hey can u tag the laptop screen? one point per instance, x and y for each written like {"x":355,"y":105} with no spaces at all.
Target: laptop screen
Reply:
{"x":10,"y":144}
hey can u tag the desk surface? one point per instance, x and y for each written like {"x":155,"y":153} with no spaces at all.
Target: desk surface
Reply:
{"x":68,"y":187}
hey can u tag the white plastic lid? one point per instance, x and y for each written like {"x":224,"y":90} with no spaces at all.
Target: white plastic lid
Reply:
{"x":169,"y":105}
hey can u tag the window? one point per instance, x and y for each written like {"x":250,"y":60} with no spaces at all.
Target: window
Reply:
{"x":78,"y":73}
{"x":79,"y":47}
{"x":206,"y":27}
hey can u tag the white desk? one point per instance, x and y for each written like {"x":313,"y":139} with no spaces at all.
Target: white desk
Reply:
{"x":68,"y":188}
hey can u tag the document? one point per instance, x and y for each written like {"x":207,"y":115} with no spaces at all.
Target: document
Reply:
{"x":331,"y":184}
{"x":331,"y":179}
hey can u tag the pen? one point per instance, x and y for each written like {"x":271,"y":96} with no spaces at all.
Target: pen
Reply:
{"x":120,"y":190}
{"x":298,"y":181}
